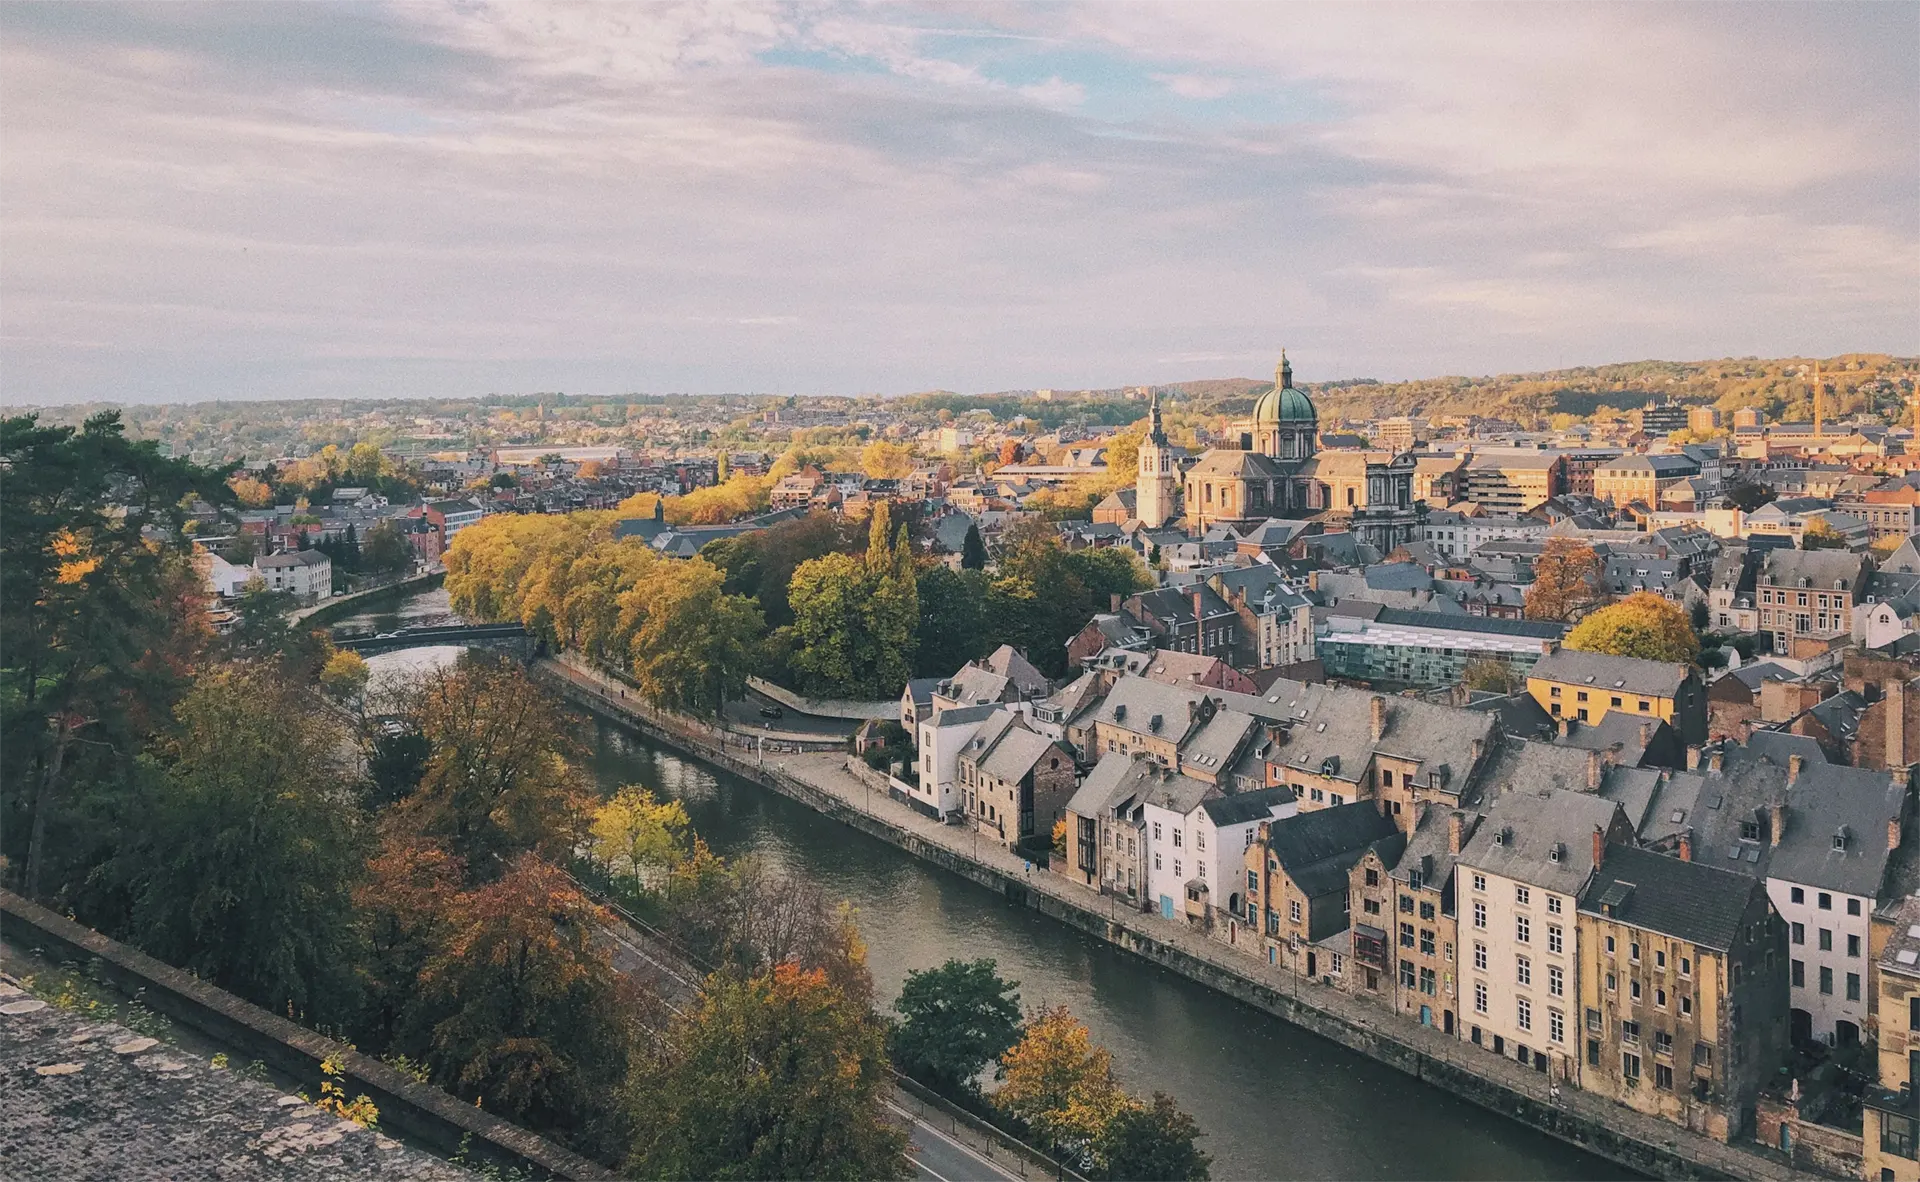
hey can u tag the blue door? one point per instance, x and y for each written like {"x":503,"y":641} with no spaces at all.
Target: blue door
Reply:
{"x":1166,"y":906}
{"x":1426,"y":1015}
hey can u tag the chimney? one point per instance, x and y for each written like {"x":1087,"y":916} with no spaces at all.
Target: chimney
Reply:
{"x":1714,"y":760}
{"x":1896,"y":708}
{"x":1893,"y":833}
{"x":1693,"y":759}
{"x":1686,"y":845}
{"x":1794,"y":764}
{"x":1455,"y":821}
{"x":1646,"y":733}
{"x":1777,"y":821}
{"x":1379,"y":705}
{"x":1115,"y":598}
{"x":1599,"y":847}
{"x":1477,"y":746}
{"x":1593,"y":771}
{"x":1199,"y":624}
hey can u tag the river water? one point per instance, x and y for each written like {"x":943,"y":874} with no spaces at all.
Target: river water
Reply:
{"x":1273,"y":1100}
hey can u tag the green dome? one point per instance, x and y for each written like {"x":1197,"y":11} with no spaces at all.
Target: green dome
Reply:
{"x":1284,"y":405}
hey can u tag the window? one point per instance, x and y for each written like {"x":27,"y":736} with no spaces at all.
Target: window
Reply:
{"x":1660,"y":958}
{"x":1426,"y":910}
{"x":1553,"y":904}
{"x":1749,"y":831}
{"x":1610,"y":984}
{"x":1826,"y":979}
{"x":1798,"y":974}
{"x":1799,"y":933}
{"x":1426,"y":941}
{"x":1826,"y":901}
{"x":1520,"y":895}
{"x":1686,"y":1004}
{"x":1630,"y":1032}
{"x":1900,"y":1135}
{"x":1406,"y":974}
{"x":1293,"y":910}
{"x":1702,"y":1055}
{"x":1406,"y":904}
{"x":1429,"y":982}
{"x":1633,"y":987}
{"x":1853,"y":945}
{"x":1556,"y":980}
{"x":1663,"y":1077}
{"x":1253,"y":880}
{"x":1370,"y":906}
{"x":1479,"y":997}
{"x":1853,"y":986}
{"x":1156,"y":860}
{"x":1522,"y":929}
{"x":1480,"y":963}
{"x":1523,"y":1013}
{"x":1406,"y":935}
{"x":1176,"y":839}
{"x":1555,"y":942}
{"x":1615,"y":703}
{"x":1826,"y":939}
{"x":1645,"y":705}
{"x":1523,"y":970}
{"x":1479,"y":882}
{"x":1373,"y":877}
{"x":1156,"y":831}
{"x":1663,"y":1044}
{"x":1609,"y":945}
{"x":1177,"y":872}
{"x":1633,"y":951}
{"x":1630,"y":1068}
{"x":1853,"y":906}
{"x":1480,"y":915}
{"x":1659,"y":998}
{"x":1797,"y":895}
{"x":1556,"y":1026}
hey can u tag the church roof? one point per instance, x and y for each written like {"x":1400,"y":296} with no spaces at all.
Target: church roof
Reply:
{"x":1284,"y":404}
{"x":1232,"y":462}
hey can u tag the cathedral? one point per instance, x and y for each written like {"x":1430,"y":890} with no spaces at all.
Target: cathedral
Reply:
{"x":1276,"y":469}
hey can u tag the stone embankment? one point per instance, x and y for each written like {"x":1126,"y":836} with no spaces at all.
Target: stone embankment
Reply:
{"x":848,"y":791}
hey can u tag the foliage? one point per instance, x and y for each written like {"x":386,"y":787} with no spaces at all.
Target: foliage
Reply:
{"x":953,"y":620}
{"x":98,"y":623}
{"x":1566,"y":581}
{"x":1057,"y":840}
{"x":973,"y":551}
{"x":740,"y":496}
{"x":636,"y":835}
{"x":1151,"y":1140}
{"x":1819,"y":535}
{"x":251,"y":493}
{"x":385,"y":549}
{"x":775,"y":1075}
{"x":247,"y":854}
{"x":1490,"y":675}
{"x":1060,"y":1084}
{"x":1747,"y":496}
{"x":886,"y":461}
{"x":692,"y":645}
{"x":761,"y":563}
{"x":856,"y":619}
{"x":955,"y":1020}
{"x":1643,"y":625}
{"x":264,"y":630}
{"x":345,"y":674}
{"x":361,"y":1110}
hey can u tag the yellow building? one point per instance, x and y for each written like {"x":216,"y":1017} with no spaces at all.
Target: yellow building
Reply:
{"x":1586,"y":687}
{"x":1891,"y":1130}
{"x":1683,"y":997}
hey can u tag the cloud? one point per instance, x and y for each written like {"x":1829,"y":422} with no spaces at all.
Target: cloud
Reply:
{"x":280,"y":200}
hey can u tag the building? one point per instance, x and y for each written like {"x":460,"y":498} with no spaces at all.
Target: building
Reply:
{"x":1407,"y":926}
{"x":1806,"y":598}
{"x":1297,"y":884}
{"x":1514,"y":481}
{"x":1192,"y":619}
{"x":1399,"y":433}
{"x":1682,"y":996}
{"x":942,"y":738}
{"x":1156,"y":492}
{"x":1703,"y":420}
{"x":1643,"y":478}
{"x":307,"y":575}
{"x":1106,"y":838}
{"x":1663,"y":419}
{"x":443,"y":520}
{"x":1580,"y":465}
{"x":1586,"y":687}
{"x":1522,"y":873}
{"x":1891,"y":1132}
{"x":1276,"y":622}
{"x":1369,"y":643}
{"x":1014,"y":782}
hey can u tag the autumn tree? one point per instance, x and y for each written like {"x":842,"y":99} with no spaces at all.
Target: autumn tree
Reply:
{"x":1567,"y":580}
{"x":1489,"y":675}
{"x":251,"y":492}
{"x":1060,"y":1084}
{"x":1820,"y":535}
{"x":775,"y":1075}
{"x":954,"y":1020}
{"x":692,"y":644}
{"x":500,"y":780}
{"x":1151,"y":1140}
{"x":94,"y":530}
{"x":1643,"y":625}
{"x":246,"y":853}
{"x":344,"y":675}
{"x":639,"y":837}
{"x":761,"y":563}
{"x":886,"y":461}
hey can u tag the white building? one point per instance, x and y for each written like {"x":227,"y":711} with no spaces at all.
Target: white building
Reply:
{"x":1457,"y":536}
{"x":307,"y":575}
{"x":224,"y":578}
{"x":941,"y":739}
{"x":1518,"y":882}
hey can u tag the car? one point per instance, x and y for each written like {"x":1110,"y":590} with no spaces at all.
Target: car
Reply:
{"x":772,"y":712}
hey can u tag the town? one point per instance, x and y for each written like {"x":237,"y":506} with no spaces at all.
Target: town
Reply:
{"x":1588,"y":746}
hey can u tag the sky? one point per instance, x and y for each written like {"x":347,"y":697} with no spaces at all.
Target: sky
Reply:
{"x":287,"y":200}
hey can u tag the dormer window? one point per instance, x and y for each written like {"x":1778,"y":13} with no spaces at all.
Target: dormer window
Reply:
{"x":1840,"y":837}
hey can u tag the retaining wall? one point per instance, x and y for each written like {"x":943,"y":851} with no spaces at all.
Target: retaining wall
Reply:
{"x":328,"y":610}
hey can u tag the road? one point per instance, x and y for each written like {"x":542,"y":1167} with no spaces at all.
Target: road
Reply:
{"x":745,"y":716}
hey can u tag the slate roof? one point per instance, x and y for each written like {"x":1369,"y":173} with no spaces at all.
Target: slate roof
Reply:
{"x":1606,"y":671}
{"x":1398,"y":576}
{"x":1823,"y":799}
{"x":1318,"y":848}
{"x":1828,"y":569}
{"x":1752,"y":675}
{"x":1216,"y":744}
{"x":291,"y":558}
{"x":1242,"y":807}
{"x":1618,"y":732}
{"x":1174,"y":792}
{"x":1015,"y":754}
{"x":1008,"y":663}
{"x":1114,"y":782}
{"x":1523,"y":829}
{"x":920,"y":689}
{"x":1692,"y":901}
{"x":1902,"y":953}
{"x":1519,"y":714}
{"x":974,"y":684}
{"x":1253,"y":465}
{"x":1528,"y":765}
{"x":1133,"y":702}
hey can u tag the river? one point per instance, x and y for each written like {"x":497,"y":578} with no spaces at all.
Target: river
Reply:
{"x":1273,"y":1100}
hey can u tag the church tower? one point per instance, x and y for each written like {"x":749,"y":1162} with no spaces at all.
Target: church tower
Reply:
{"x":1154,"y":493}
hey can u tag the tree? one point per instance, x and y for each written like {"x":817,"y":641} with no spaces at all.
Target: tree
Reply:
{"x":1489,"y":675}
{"x":777,"y":1075}
{"x":1699,"y":615}
{"x":247,"y":854}
{"x":761,"y":563}
{"x":1643,"y":625}
{"x":1152,"y":1140}
{"x":856,"y":619}
{"x":1566,"y":581}
{"x":955,"y":1020}
{"x":1747,"y":496}
{"x":952,"y":628}
{"x":82,"y":608}
{"x":639,"y":836}
{"x":692,"y":645}
{"x":252,"y":493}
{"x":385,"y":550}
{"x":344,"y":675}
{"x":886,"y":461}
{"x":973,"y":551}
{"x":1059,"y":1083}
{"x":500,"y":781}
{"x":1819,"y":535}
{"x":1010,"y":450}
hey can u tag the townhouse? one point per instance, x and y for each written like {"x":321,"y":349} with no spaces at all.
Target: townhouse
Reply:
{"x":1014,"y":782}
{"x":1891,"y":1124}
{"x":1276,"y":621}
{"x":1297,"y":884}
{"x":1587,"y":687}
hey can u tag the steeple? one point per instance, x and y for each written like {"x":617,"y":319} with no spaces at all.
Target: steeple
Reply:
{"x":1155,"y":432}
{"x":1283,"y":376}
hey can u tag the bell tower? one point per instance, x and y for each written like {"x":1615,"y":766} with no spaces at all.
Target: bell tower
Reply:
{"x":1155,"y":490}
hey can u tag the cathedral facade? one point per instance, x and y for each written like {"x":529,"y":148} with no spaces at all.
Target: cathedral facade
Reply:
{"x":1277,"y":470}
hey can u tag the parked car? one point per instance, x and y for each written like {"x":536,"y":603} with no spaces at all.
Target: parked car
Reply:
{"x":772,"y":712}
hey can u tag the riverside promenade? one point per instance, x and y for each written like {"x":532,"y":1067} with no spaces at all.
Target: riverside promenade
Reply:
{"x":845,"y":789}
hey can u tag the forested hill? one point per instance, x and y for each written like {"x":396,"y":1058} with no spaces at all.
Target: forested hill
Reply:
{"x":1781,"y":387}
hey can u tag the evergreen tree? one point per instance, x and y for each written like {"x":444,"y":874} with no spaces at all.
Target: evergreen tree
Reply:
{"x":973,"y":551}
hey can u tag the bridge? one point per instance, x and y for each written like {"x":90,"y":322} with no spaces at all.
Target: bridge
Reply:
{"x":510,"y":637}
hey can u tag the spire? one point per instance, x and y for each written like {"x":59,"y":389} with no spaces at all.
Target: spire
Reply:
{"x":1155,"y":433}
{"x":1283,"y":376}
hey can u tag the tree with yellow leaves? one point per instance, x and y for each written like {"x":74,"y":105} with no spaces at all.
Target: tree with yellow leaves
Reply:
{"x":886,"y":461}
{"x":254,"y":494}
{"x":640,"y":837}
{"x":1060,"y":1083}
{"x":1643,"y":625}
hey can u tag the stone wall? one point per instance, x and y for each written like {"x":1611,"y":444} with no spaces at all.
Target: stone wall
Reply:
{"x":421,"y":1112}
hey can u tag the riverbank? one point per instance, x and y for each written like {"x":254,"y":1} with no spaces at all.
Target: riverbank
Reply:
{"x":329,"y":610}
{"x":825,"y":785}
